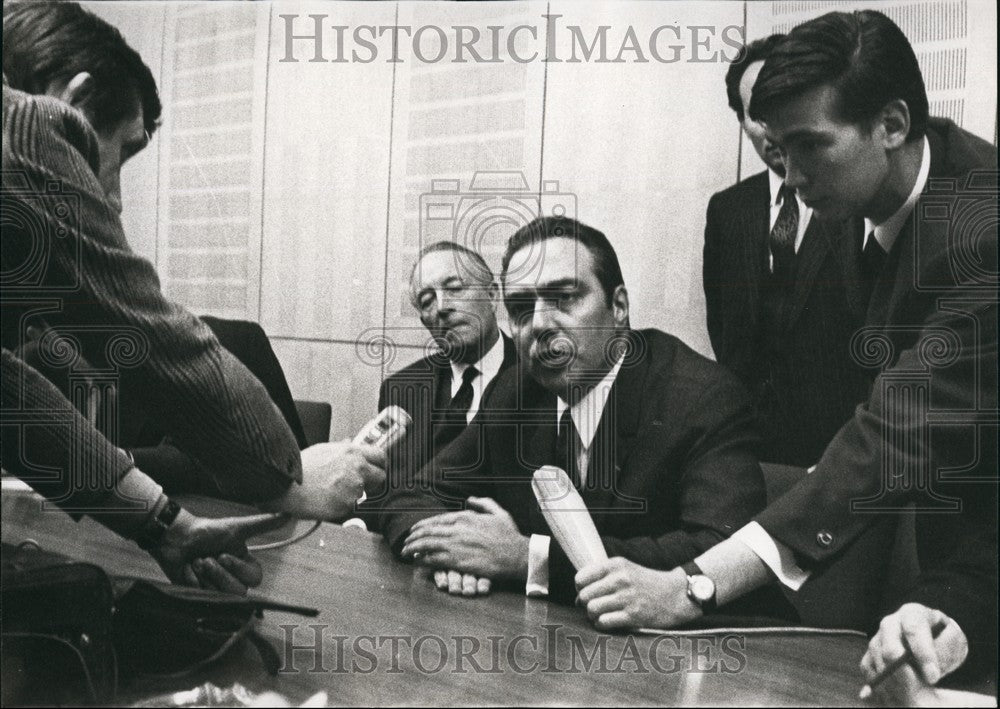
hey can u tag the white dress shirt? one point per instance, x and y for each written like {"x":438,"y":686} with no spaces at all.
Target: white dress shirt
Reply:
{"x":778,"y":557}
{"x":586,"y":415}
{"x":775,"y":181}
{"x":488,"y":367}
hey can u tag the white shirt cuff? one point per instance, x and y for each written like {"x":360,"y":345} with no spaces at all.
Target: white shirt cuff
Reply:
{"x":538,"y":566}
{"x":776,"y":555}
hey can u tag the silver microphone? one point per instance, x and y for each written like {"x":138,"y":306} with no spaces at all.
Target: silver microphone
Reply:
{"x":383,"y":431}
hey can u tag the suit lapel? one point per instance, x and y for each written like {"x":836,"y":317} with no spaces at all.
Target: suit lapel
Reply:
{"x":812,"y":254}
{"x":754,"y":241}
{"x":615,"y":435}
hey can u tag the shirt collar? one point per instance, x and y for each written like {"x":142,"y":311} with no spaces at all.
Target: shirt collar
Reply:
{"x":774,"y":181}
{"x":587,"y":411}
{"x":887,"y":231}
{"x":488,"y":366}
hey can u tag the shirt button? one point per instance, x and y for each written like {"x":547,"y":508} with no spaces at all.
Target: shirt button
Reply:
{"x":824,"y":539}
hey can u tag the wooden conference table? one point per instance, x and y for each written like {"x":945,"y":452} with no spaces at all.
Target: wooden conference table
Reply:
{"x":387,"y":636}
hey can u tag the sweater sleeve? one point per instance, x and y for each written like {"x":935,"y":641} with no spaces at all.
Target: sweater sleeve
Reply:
{"x":109,"y":301}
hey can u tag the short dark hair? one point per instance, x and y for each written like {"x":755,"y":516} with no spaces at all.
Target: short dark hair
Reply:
{"x":606,"y":266}
{"x":863,"y":55}
{"x":46,"y":42}
{"x":757,"y":51}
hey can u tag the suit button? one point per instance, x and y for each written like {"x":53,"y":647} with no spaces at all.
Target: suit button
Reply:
{"x":824,"y":539}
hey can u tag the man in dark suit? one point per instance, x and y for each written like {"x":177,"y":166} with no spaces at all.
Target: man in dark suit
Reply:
{"x":658,"y":439}
{"x":456,"y":295}
{"x":844,"y":100}
{"x":779,"y":296}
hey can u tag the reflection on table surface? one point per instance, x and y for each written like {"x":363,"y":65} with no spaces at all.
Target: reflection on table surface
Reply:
{"x":385,"y":635}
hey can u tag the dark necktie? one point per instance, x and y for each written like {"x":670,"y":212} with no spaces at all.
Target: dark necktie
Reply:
{"x":453,"y":419}
{"x":872,"y":260}
{"x":568,"y":447}
{"x":783,"y":233}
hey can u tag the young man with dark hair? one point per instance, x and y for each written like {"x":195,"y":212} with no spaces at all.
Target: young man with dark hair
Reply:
{"x":843,"y":99}
{"x":780,"y":310}
{"x":658,"y":440}
{"x":84,"y":104}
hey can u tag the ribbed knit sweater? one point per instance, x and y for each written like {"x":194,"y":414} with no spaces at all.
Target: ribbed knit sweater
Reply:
{"x":66,"y":260}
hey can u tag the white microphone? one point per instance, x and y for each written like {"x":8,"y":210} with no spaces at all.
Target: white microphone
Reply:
{"x":383,"y":431}
{"x":567,"y":516}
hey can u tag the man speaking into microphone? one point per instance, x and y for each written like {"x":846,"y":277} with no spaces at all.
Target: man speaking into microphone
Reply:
{"x":657,"y":439}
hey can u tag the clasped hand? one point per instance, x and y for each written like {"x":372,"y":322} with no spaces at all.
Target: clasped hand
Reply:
{"x":620,"y":594}
{"x":469,"y":547}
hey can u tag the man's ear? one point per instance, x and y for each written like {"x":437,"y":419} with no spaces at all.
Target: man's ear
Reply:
{"x":75,"y":90}
{"x":619,"y":306}
{"x":894,"y":122}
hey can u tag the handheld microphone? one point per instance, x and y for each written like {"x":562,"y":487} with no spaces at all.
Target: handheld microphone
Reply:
{"x":567,"y":516}
{"x":383,"y":431}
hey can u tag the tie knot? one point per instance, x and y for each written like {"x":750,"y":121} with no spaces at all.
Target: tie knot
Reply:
{"x":469,"y":374}
{"x":873,"y":249}
{"x":787,"y":194}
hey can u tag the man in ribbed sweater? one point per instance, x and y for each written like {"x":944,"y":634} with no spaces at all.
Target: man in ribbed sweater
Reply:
{"x":79,"y":103}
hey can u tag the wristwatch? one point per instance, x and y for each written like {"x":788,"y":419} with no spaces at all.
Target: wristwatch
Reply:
{"x":701,"y":589}
{"x":152,"y":533}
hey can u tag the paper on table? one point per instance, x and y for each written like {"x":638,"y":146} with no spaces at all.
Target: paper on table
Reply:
{"x":567,"y":516}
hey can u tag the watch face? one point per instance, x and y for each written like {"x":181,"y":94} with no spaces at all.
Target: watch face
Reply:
{"x":703,"y":588}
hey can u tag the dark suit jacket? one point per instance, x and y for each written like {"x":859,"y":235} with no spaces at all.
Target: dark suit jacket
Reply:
{"x":808,"y":388}
{"x":415,"y":389}
{"x":931,"y":419}
{"x":672,"y":466}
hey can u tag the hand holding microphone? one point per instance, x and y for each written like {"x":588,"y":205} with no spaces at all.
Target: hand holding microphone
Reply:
{"x":335,"y":475}
{"x":383,"y":432}
{"x":568,"y":517}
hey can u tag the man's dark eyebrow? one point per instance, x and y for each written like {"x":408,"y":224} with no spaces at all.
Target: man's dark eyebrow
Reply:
{"x":805,"y":133}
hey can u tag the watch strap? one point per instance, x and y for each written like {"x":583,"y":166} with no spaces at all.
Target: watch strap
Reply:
{"x":691,"y":568}
{"x":152,"y":533}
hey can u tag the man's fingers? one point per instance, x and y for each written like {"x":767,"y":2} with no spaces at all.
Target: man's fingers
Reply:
{"x":189,"y":577}
{"x":483,"y":586}
{"x":486,"y":505}
{"x":245,"y":527}
{"x":425,"y":546}
{"x":468,"y":585}
{"x":603,"y":586}
{"x":445,"y":519}
{"x":615,"y":619}
{"x":591,"y":573}
{"x":454,"y":583}
{"x":604,"y":604}
{"x":953,"y":647}
{"x":214,"y":576}
{"x":374,"y":455}
{"x":916,"y":634}
{"x":246,"y":570}
{"x":372,"y":476}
